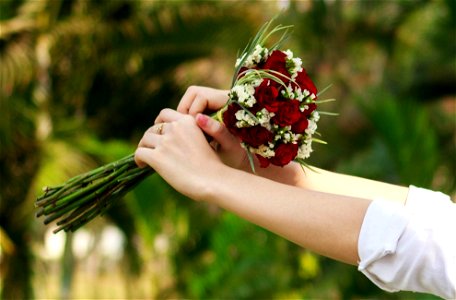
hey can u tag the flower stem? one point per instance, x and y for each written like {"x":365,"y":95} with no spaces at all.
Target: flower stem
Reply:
{"x":83,"y":197}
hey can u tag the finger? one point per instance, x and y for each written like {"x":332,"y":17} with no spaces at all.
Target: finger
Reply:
{"x":144,"y":156}
{"x":149,"y":140}
{"x":198,"y":99}
{"x":208,"y":99}
{"x":187,"y":100}
{"x":168,"y":115}
{"x":156,"y":129}
{"x":198,"y":106}
{"x":216,"y":130}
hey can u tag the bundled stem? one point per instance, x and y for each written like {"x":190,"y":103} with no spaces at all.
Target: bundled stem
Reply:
{"x":83,"y":197}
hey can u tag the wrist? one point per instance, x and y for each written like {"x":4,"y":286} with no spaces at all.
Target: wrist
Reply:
{"x":212,"y":184}
{"x":290,"y":174}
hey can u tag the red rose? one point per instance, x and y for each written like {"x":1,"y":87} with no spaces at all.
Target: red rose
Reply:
{"x":301,"y":125}
{"x":255,"y":135}
{"x":266,"y":94}
{"x":229,"y":118}
{"x":284,"y":153}
{"x":305,"y":83}
{"x":277,"y":62}
{"x":288,"y":113}
{"x":264,"y":162}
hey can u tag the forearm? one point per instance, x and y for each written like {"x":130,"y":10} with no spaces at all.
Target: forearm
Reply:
{"x":325,"y":223}
{"x":334,"y":183}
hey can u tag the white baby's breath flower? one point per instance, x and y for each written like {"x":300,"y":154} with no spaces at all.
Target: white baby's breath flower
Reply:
{"x":298,"y":94}
{"x":238,"y":90}
{"x":290,"y":137}
{"x":265,"y":151}
{"x":289,"y":92}
{"x":287,"y":137}
{"x":258,"y":54}
{"x":305,"y":149}
{"x":296,"y":67}
{"x":249,"y":89}
{"x":240,"y":115}
{"x":298,"y":64}
{"x":284,"y":134}
{"x":311,"y":128}
{"x":315,"y":116}
{"x":244,"y":94}
{"x":294,"y":64}
{"x":306,"y":93}
{"x":264,"y":116}
{"x":296,"y":137}
{"x":250,"y":101}
{"x":289,"y":54}
{"x":244,"y":119}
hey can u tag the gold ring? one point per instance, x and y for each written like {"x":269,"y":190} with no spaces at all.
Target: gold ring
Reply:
{"x":160,"y":129}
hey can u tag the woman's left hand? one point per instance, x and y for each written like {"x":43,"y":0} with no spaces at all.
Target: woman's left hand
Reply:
{"x":177,"y":149}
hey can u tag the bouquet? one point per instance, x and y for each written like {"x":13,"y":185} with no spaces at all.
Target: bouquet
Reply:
{"x":272,"y":109}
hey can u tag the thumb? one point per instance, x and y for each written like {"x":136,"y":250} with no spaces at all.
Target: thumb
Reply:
{"x":216,"y":130}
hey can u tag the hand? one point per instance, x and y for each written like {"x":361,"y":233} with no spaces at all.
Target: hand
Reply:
{"x":178,"y":150}
{"x":198,"y":99}
{"x":227,"y":146}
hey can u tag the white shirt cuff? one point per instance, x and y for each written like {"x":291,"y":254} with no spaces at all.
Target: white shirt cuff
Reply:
{"x":411,"y":247}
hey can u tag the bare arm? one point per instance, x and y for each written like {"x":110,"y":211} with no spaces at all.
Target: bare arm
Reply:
{"x":326,"y":223}
{"x":335,"y":183}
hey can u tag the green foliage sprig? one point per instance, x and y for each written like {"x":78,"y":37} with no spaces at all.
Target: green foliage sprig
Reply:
{"x":263,"y":34}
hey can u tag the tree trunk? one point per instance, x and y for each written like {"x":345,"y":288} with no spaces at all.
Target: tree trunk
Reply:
{"x":18,"y":166}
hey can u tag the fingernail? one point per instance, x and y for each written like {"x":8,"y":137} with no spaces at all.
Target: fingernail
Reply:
{"x":202,"y":119}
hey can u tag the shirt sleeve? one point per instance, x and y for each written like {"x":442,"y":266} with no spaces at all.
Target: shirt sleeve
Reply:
{"x":411,"y":247}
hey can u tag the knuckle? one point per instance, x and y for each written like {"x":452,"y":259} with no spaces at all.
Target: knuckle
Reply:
{"x":164,"y":112}
{"x":148,"y":131}
{"x":192,"y":89}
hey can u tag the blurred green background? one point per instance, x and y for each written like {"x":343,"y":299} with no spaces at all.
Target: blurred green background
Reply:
{"x":80,"y":81}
